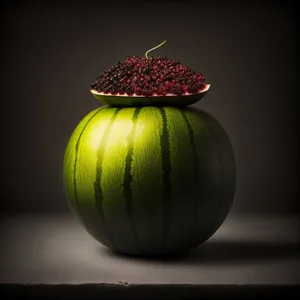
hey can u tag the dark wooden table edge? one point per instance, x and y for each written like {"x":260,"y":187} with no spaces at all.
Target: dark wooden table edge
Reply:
{"x":147,"y":291}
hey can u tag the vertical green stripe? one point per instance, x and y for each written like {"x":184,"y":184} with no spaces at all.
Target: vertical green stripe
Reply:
{"x":208,"y":175}
{"x":128,"y":178}
{"x":70,"y":164}
{"x":222,"y":176}
{"x":75,"y":168}
{"x":147,"y":179}
{"x":183,"y":195}
{"x":112,"y":180}
{"x":97,"y":185}
{"x":193,"y":144}
{"x":86,"y":173}
{"x":76,"y":155}
{"x":166,"y":167}
{"x":195,"y":165}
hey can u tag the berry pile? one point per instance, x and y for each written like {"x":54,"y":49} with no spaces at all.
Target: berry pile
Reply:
{"x":155,"y":76}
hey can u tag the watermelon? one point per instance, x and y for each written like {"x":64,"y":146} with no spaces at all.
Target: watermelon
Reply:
{"x":152,"y":180}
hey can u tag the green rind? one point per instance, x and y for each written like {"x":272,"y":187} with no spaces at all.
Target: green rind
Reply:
{"x":166,"y":169}
{"x":115,"y":189}
{"x":147,"y":179}
{"x":208,"y":177}
{"x":217,"y":168}
{"x":197,"y":176}
{"x":126,"y":101}
{"x":222,"y":187}
{"x":90,"y":206}
{"x":128,"y":177}
{"x":98,"y":189}
{"x":69,"y":163}
{"x":179,"y":211}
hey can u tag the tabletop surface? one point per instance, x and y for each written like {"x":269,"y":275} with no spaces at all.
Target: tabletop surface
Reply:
{"x":55,"y":249}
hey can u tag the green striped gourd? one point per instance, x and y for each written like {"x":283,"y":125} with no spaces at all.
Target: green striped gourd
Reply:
{"x":149,"y":180}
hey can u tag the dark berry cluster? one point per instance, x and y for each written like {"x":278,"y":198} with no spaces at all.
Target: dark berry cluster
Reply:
{"x":149,"y":77}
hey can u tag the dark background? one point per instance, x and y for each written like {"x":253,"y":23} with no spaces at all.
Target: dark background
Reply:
{"x":51,"y":52}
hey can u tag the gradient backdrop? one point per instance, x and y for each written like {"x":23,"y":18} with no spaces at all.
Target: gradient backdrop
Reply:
{"x":50,"y":53}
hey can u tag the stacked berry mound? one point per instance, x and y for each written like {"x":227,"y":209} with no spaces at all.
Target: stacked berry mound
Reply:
{"x":154,"y":76}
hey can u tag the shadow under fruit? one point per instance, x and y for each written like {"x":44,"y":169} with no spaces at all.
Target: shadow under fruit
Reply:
{"x":149,"y":180}
{"x":152,"y":179}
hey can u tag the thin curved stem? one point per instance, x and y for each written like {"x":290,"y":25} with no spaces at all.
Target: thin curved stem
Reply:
{"x":146,"y":54}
